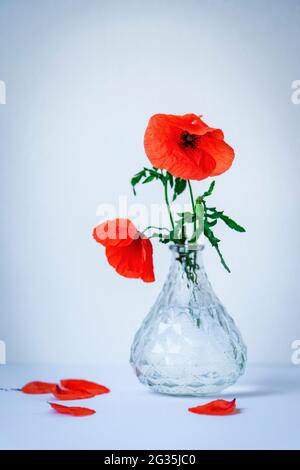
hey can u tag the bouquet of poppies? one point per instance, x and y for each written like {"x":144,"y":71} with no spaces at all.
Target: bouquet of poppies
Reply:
{"x":180,"y":149}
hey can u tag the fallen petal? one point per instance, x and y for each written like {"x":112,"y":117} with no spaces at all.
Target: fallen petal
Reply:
{"x":72,"y":410}
{"x":90,"y":387}
{"x":62,"y":394}
{"x":36,"y":388}
{"x":216,"y":407}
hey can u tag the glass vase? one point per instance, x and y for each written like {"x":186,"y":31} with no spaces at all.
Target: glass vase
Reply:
{"x":188,"y":344}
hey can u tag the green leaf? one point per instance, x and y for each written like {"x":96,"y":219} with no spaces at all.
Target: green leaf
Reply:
{"x":149,"y":178}
{"x":180,"y":186}
{"x":215,"y":214}
{"x":136,"y":179}
{"x":210,"y":235}
{"x":232,"y":224}
{"x":222,"y":260}
{"x":152,"y":172}
{"x":212,"y":223}
{"x":215,"y":243}
{"x":210,"y":189}
{"x":157,"y":175}
{"x":170,"y":179}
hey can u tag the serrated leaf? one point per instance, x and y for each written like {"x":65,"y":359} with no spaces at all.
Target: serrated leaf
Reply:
{"x":232,"y":224}
{"x":152,"y":172}
{"x":179,"y":187}
{"x":222,"y":260}
{"x":215,"y":243}
{"x":210,"y":235}
{"x":136,"y":179}
{"x":170,"y":179}
{"x":215,"y":215}
{"x":212,"y":223}
{"x":149,"y":179}
{"x":157,"y":175}
{"x":210,"y":189}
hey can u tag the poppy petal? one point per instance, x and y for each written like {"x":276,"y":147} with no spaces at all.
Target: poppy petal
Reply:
{"x":216,"y":407}
{"x":222,"y":153}
{"x":128,"y":262}
{"x":36,"y":388}
{"x":62,"y":394}
{"x":72,"y":410}
{"x":127,"y":250}
{"x":90,"y":387}
{"x":148,"y":271}
{"x":133,"y":261}
{"x":117,"y":232}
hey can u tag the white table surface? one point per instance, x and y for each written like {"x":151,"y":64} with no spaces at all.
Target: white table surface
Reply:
{"x":132,"y":417}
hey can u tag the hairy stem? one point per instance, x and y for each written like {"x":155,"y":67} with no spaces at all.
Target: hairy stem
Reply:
{"x":193,"y":204}
{"x":156,"y":228}
{"x":168,"y":203}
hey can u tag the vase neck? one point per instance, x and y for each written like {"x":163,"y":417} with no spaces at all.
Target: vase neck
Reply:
{"x":187,"y":264}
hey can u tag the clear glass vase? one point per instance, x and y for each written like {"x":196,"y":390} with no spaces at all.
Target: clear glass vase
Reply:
{"x":188,"y":344}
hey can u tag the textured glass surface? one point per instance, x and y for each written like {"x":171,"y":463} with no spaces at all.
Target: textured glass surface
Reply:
{"x":188,"y":344}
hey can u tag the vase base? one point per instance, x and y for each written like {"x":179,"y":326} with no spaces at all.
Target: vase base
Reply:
{"x":184,"y":388}
{"x":188,"y":392}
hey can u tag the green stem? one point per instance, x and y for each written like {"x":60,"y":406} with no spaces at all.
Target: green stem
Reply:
{"x":193,"y":204}
{"x":167,"y":202}
{"x":222,"y":259}
{"x":156,"y":228}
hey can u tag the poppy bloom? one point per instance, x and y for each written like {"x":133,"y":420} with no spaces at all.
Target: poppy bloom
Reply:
{"x":127,"y":250}
{"x":186,"y":147}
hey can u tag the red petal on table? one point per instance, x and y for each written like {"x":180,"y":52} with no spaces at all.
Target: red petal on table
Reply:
{"x":61,"y":394}
{"x":72,"y":410}
{"x":36,"y":388}
{"x":91,"y":387}
{"x":216,"y":407}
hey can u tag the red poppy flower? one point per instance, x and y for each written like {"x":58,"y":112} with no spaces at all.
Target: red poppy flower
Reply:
{"x":127,"y":250}
{"x":186,"y":147}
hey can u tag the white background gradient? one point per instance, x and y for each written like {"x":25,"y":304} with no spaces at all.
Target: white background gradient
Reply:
{"x":83,"y":77}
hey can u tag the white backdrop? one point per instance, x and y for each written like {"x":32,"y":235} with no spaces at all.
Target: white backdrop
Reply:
{"x":83,"y":77}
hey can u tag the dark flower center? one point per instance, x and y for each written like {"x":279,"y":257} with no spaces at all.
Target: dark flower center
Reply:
{"x":189,"y":140}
